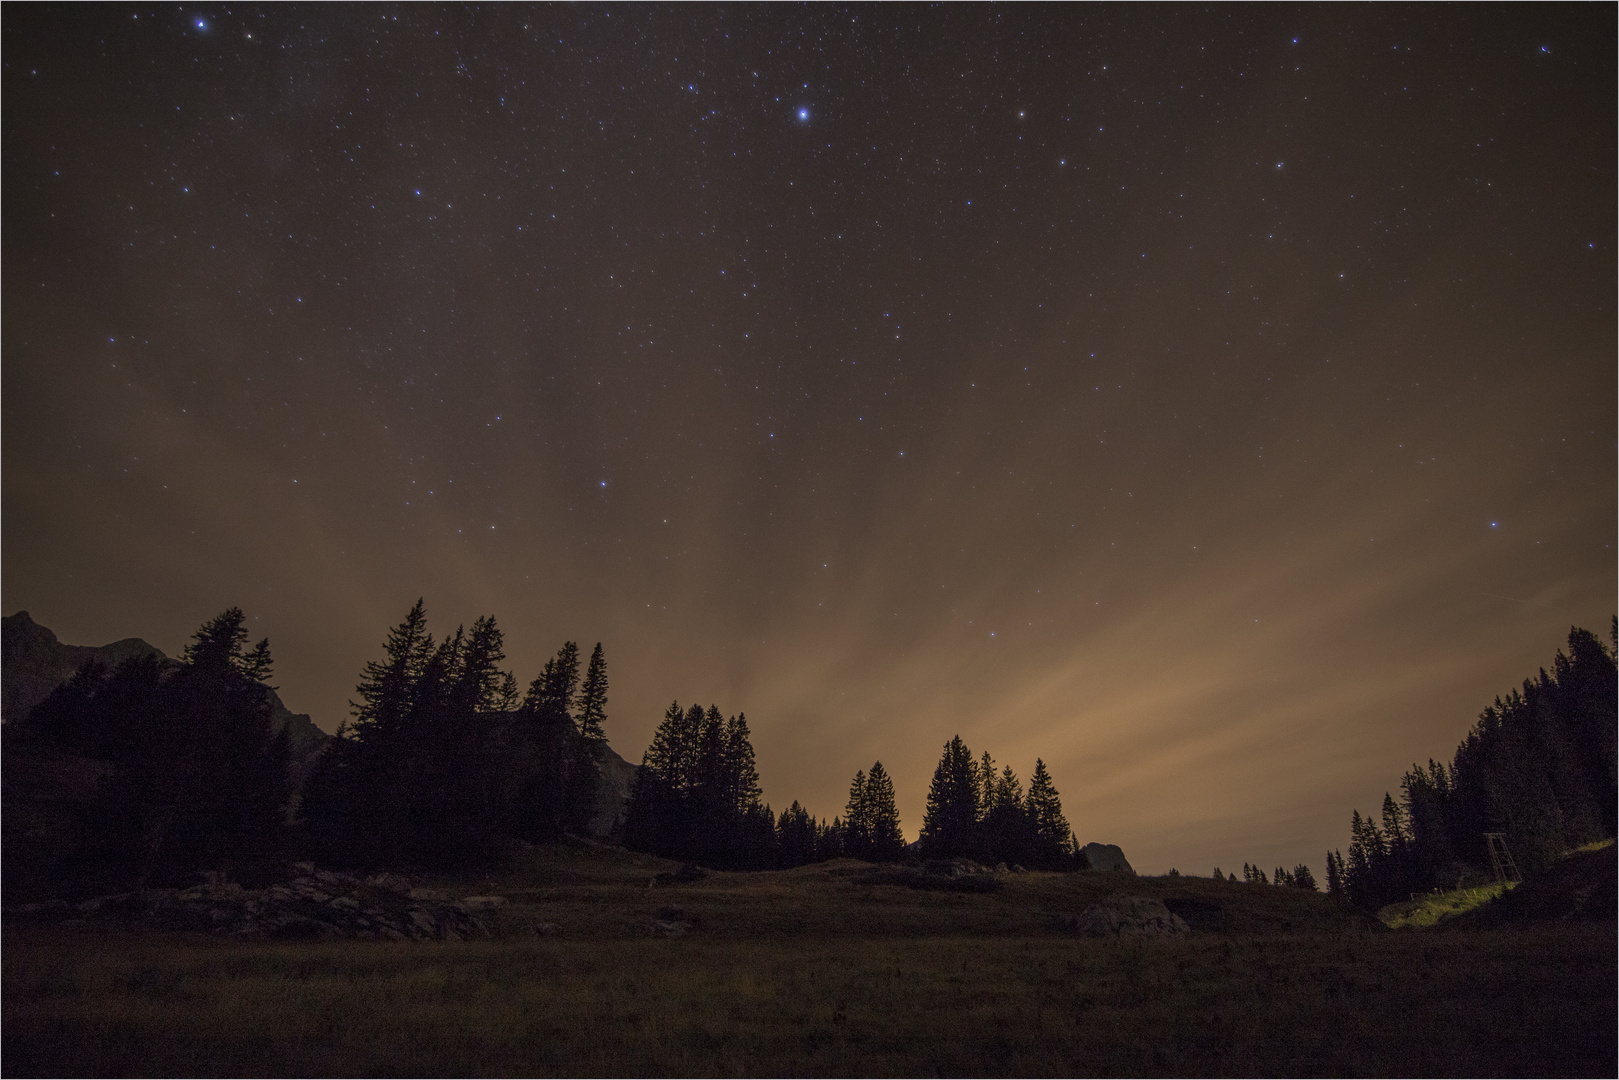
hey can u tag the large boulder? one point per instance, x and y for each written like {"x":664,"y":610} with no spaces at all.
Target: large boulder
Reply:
{"x":615,"y":779}
{"x":1107,"y":857}
{"x":1127,"y":916}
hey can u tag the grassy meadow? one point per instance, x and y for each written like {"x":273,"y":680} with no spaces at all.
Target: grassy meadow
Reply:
{"x":838,"y":969}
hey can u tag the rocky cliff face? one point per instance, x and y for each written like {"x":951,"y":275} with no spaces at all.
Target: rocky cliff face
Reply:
{"x":33,"y":662}
{"x":617,"y":777}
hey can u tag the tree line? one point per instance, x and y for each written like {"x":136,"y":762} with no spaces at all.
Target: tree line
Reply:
{"x":697,"y":798}
{"x":1539,"y":767}
{"x":977,"y":812}
{"x":445,"y":762}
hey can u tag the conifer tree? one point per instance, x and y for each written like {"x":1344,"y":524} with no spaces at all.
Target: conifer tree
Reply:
{"x":588,"y":739}
{"x":829,"y":843}
{"x":697,"y":793}
{"x":796,"y":837}
{"x":1005,"y":833}
{"x":593,"y":699}
{"x":857,"y":820}
{"x":887,"y":843}
{"x":1539,"y":765}
{"x":550,"y":696}
{"x":742,"y":777}
{"x":986,"y":774}
{"x":1052,"y":835}
{"x":953,"y":803}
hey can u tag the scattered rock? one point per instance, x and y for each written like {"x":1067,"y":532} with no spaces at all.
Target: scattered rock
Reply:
{"x":957,"y":867}
{"x":393,"y":883}
{"x":1127,"y":916}
{"x":673,"y":922}
{"x":316,"y":905}
{"x":688,"y":872}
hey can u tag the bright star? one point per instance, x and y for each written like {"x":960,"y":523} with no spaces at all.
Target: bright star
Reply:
{"x":803,"y":114}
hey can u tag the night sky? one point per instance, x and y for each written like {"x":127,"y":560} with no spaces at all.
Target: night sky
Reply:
{"x":1217,"y":404}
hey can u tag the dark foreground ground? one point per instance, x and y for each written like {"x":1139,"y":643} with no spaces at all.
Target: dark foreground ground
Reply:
{"x":828,"y":970}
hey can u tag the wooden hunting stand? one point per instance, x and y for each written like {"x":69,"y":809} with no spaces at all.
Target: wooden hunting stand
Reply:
{"x":1501,"y":858}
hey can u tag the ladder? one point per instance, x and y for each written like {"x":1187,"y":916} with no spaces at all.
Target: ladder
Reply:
{"x":1501,"y":858}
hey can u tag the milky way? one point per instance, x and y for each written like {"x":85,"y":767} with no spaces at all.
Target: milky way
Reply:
{"x":1218,"y":405}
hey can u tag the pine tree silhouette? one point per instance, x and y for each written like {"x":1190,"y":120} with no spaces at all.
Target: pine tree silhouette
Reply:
{"x":949,"y":827}
{"x":593,"y":699}
{"x":1052,"y":836}
{"x":887,"y":843}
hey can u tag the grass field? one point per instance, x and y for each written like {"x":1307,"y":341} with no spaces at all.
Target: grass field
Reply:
{"x":830,"y":970}
{"x":1433,"y":909}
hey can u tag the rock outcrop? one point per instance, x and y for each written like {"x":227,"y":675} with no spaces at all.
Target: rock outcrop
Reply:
{"x":33,"y":662}
{"x":616,"y":778}
{"x":314,"y":904}
{"x":1127,"y":916}
{"x":1108,"y":857}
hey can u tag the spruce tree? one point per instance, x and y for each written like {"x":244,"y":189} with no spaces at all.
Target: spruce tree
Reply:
{"x":742,"y":776}
{"x":1052,"y":835}
{"x":1005,"y":833}
{"x":550,"y":696}
{"x":857,"y":820}
{"x":987,"y":775}
{"x":697,"y":794}
{"x":657,"y":796}
{"x":593,"y":699}
{"x":795,"y":837}
{"x":953,"y":800}
{"x":887,"y":843}
{"x":829,"y":844}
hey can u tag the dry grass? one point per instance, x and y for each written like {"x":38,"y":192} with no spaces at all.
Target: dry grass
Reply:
{"x":814,"y":972}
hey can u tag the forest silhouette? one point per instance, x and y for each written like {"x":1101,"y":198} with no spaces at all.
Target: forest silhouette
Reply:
{"x":444,"y":764}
